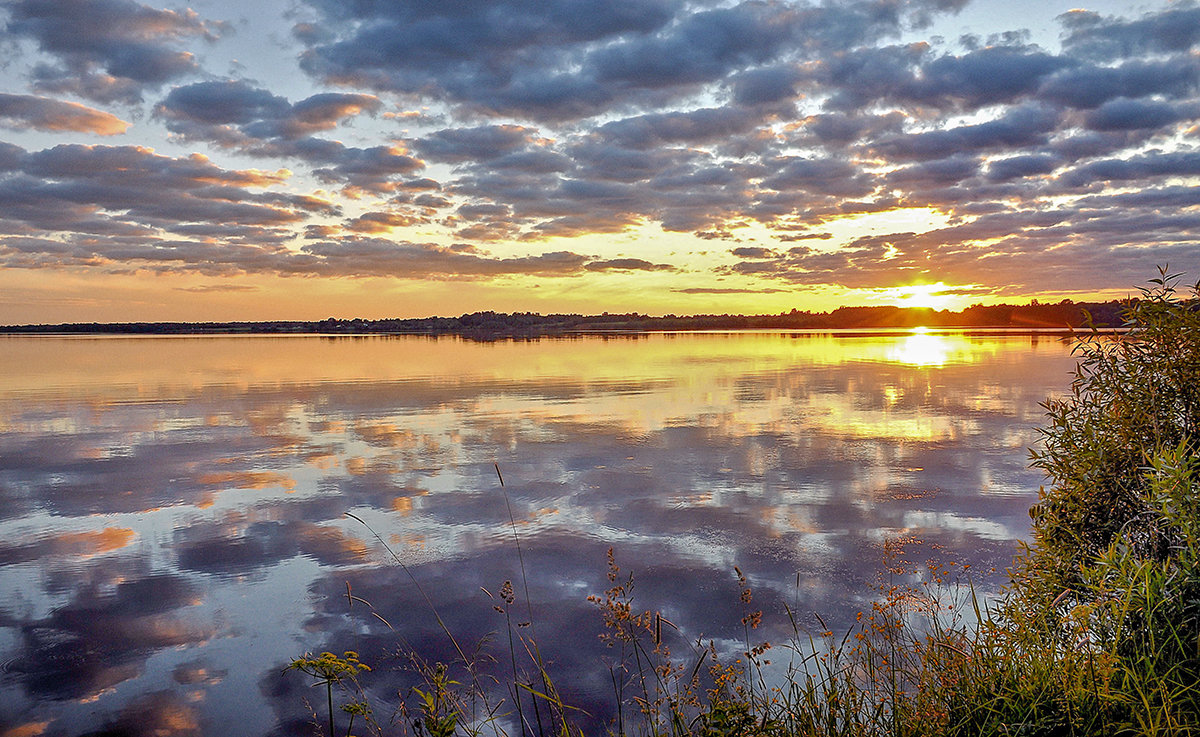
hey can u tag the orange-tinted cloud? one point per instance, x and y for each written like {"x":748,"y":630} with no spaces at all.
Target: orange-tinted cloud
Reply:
{"x":47,"y":114}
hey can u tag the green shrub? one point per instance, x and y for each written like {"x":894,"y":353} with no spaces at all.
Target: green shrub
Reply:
{"x":1104,"y":608}
{"x":1132,"y":397}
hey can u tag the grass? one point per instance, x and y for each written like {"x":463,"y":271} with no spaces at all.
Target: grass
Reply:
{"x":927,"y":658}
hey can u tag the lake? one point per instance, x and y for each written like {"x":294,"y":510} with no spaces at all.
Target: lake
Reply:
{"x":173,"y":525}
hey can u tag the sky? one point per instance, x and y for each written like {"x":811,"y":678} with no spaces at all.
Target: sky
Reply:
{"x":303,"y":159}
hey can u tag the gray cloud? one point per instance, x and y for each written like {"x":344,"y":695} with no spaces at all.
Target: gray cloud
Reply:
{"x":115,"y":204}
{"x":482,"y":144}
{"x":1142,"y":167}
{"x":690,"y":127}
{"x":1124,"y":114}
{"x":828,"y":176}
{"x":234,"y":114}
{"x":369,"y":256}
{"x":1092,"y":36}
{"x":1020,"y":127}
{"x":1025,"y":165}
{"x":108,"y":50}
{"x":912,"y":75}
{"x":1091,"y":85}
{"x":483,"y":54}
{"x":567,"y":59}
{"x":569,"y":119}
{"x":204,"y":111}
{"x":753,"y":252}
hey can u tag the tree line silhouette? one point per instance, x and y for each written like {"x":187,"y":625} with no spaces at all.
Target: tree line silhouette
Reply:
{"x":1060,"y":315}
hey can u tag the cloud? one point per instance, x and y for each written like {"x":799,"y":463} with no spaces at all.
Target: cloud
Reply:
{"x":210,"y":288}
{"x":210,"y":110}
{"x":946,"y":171}
{"x":1020,"y":127}
{"x":234,"y":114}
{"x":690,"y":127}
{"x":127,"y":207}
{"x":828,"y":176}
{"x":376,"y":169}
{"x":1140,"y":168}
{"x":753,"y":252}
{"x":984,"y":77}
{"x":566,"y":59}
{"x":1092,"y":36}
{"x":726,"y":290}
{"x":382,"y":222}
{"x":1091,"y":85}
{"x":912,"y":76}
{"x":108,"y":50}
{"x":1125,"y":114}
{"x":765,"y":85}
{"x":1027,"y":165}
{"x":482,"y":53}
{"x":476,"y":145}
{"x":518,"y":121}
{"x":706,"y":168}
{"x":377,"y":257}
{"x":839,"y":128}
{"x":627,"y":264}
{"x":23,"y":112}
{"x":1101,"y":239}
{"x":115,"y":204}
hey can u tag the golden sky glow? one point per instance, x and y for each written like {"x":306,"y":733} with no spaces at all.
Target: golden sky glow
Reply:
{"x":933,"y":296}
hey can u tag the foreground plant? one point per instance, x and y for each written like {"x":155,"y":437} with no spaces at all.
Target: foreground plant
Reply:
{"x":328,"y":669}
{"x":1132,"y":398}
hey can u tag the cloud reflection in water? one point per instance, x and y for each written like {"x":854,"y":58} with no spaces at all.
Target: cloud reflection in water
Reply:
{"x":176,"y":506}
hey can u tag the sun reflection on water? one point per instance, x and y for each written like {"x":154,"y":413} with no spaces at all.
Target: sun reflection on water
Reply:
{"x":924,"y":348}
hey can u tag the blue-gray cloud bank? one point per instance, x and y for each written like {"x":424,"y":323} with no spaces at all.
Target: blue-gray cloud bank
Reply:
{"x":502,"y":123}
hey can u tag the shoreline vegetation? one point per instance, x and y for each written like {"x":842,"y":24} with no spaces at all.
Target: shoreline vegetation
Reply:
{"x":1065,"y":315}
{"x":1097,"y":632}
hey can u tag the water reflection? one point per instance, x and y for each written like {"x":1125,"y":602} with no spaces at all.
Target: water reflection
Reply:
{"x":172,"y":523}
{"x":923,"y":349}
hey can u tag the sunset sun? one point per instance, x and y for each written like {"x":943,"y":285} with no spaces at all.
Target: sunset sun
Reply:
{"x":938,"y":296}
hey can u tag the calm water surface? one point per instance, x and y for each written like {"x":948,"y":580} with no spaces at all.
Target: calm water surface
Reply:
{"x":172,"y":510}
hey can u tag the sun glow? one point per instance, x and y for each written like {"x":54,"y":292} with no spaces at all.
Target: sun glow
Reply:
{"x":938,"y":296}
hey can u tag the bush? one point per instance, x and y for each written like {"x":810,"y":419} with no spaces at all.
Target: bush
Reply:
{"x":1133,"y":397}
{"x":1109,"y":591}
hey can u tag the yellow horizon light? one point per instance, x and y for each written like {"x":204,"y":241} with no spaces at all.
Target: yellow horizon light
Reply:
{"x":930,"y":296}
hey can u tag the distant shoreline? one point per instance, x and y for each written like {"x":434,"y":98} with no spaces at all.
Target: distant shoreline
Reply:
{"x":1065,"y":316}
{"x":970,"y":331}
